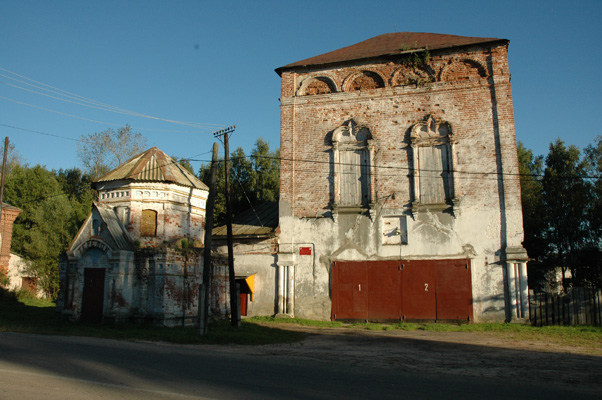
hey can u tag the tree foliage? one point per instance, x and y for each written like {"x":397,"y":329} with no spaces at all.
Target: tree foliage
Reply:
{"x":253,"y":179}
{"x":100,"y":152}
{"x":13,"y":158}
{"x":561,"y":211}
{"x":54,"y":206}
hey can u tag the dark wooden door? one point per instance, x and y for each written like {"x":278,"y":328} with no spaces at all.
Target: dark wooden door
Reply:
{"x":93,"y":294}
{"x":244,"y":304}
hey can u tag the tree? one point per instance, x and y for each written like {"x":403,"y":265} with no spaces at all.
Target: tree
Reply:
{"x":100,"y":152}
{"x":13,"y":157}
{"x":253,"y":179}
{"x":594,"y":160}
{"x":266,"y":171}
{"x":531,"y":169}
{"x":45,"y":227}
{"x":566,"y":202}
{"x":77,"y":186}
{"x":185,"y":163}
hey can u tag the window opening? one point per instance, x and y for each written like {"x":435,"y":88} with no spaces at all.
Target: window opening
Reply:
{"x":149,"y":223}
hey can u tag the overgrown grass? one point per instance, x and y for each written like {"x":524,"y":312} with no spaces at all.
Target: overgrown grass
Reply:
{"x":23,"y":313}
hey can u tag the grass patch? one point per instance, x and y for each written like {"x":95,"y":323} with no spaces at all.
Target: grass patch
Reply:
{"x":26,"y":314}
{"x":296,"y":321}
{"x":578,"y":336}
{"x":21,"y":312}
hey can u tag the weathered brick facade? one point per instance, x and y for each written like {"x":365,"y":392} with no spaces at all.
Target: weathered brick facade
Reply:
{"x":463,"y":87}
{"x":138,"y":254}
{"x":9,"y":214}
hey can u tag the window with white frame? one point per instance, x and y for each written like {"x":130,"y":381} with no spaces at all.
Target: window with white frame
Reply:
{"x":352,"y":154}
{"x":432,"y":150}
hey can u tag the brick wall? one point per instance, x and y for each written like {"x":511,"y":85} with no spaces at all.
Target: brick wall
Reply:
{"x":470,"y":89}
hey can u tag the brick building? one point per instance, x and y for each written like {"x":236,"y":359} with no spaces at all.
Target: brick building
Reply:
{"x":399,"y":193}
{"x":137,"y":255}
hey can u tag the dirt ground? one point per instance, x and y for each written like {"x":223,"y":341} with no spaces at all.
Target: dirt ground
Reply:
{"x":475,"y":354}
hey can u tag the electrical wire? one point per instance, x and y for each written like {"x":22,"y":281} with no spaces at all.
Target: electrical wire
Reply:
{"x":84,"y":101}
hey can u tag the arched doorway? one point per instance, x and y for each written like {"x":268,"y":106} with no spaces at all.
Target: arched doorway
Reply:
{"x":94,"y":263}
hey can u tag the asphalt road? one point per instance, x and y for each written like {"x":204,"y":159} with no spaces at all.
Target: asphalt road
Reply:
{"x":55,"y":367}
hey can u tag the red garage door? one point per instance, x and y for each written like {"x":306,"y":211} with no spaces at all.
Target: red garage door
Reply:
{"x":419,"y":299}
{"x":402,"y":290}
{"x":350,"y":281}
{"x":384,"y":290}
{"x":454,"y":290}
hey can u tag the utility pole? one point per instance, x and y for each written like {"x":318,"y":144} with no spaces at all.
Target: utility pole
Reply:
{"x":234,"y":295}
{"x":207,"y":266}
{"x":2,"y":191}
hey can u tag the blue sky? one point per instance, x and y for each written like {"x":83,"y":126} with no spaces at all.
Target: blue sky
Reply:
{"x":212,"y":63}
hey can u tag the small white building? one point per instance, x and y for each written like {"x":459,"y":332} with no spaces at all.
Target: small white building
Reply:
{"x":137,"y":255}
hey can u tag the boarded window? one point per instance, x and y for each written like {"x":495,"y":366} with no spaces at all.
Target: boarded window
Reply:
{"x":355,"y":182}
{"x":148,"y":226}
{"x":433,"y":162}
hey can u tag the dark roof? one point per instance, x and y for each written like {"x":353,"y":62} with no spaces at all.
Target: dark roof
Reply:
{"x":153,"y":165}
{"x":260,"y":220}
{"x":390,"y":44}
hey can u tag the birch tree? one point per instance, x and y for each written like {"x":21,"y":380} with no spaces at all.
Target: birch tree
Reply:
{"x":100,"y":152}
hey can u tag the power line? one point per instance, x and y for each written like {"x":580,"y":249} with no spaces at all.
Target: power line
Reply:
{"x":80,"y":100}
{"x":41,"y":133}
{"x":477,"y":174}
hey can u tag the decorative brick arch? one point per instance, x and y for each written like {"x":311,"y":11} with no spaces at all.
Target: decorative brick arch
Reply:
{"x":92,"y":243}
{"x":317,"y":85}
{"x":408,"y":75}
{"x":463,"y":69}
{"x":363,"y":80}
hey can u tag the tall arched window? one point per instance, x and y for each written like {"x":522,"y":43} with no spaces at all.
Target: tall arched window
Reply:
{"x":148,"y":225}
{"x":432,"y":162}
{"x":352,"y":155}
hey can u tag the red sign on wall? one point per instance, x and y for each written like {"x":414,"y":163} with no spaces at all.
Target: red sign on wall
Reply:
{"x":305,"y":251}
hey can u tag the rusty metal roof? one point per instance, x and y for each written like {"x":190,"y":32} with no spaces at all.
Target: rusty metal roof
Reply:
{"x":153,"y":165}
{"x":390,"y":44}
{"x":6,"y":206}
{"x":116,"y":229}
{"x":259,"y":221}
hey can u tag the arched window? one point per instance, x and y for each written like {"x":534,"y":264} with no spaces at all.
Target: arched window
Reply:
{"x":148,"y":225}
{"x":95,"y":227}
{"x":352,"y":155}
{"x":318,"y":85}
{"x":365,"y":80}
{"x":432,"y":162}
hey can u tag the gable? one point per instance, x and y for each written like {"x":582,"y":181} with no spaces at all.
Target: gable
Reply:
{"x":103,"y":227}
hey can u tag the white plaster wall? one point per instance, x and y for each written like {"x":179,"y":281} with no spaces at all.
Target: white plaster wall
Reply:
{"x":257,"y":258}
{"x":431,"y":235}
{"x":180,"y":210}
